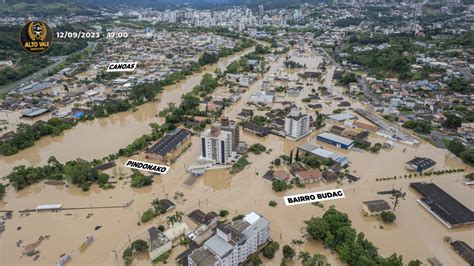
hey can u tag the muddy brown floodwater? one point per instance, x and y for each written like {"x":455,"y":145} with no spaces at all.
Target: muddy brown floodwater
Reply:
{"x":103,"y":136}
{"x":415,"y":234}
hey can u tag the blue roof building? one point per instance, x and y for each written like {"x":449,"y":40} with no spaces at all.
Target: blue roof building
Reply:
{"x":335,"y":140}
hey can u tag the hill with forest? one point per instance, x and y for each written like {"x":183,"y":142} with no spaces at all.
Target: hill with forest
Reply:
{"x":45,"y":8}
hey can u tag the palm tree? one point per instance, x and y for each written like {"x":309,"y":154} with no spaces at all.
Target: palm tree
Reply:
{"x":319,"y":260}
{"x":179,"y":216}
{"x":296,"y":243}
{"x":304,"y":256}
{"x":156,"y":205}
{"x":170,"y":220}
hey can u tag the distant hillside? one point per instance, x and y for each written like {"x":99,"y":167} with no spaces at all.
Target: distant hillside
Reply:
{"x":44,"y":8}
{"x":163,"y":4}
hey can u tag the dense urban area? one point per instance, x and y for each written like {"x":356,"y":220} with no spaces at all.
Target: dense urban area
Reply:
{"x":247,"y":104}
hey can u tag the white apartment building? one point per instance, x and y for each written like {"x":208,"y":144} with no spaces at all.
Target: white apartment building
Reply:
{"x":233,"y":242}
{"x":297,"y":125}
{"x":216,"y":145}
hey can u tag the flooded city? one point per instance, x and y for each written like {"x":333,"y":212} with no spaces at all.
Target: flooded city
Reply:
{"x":277,"y":121}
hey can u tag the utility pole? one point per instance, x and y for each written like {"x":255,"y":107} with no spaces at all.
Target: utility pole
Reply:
{"x":116,"y":257}
{"x":396,"y":196}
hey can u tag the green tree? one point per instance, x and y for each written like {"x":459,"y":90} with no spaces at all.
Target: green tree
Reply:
{"x":468,"y":156}
{"x":140,"y":180}
{"x":319,"y":260}
{"x":452,"y":121}
{"x":317,"y":228}
{"x":257,"y":148}
{"x":2,"y":191}
{"x":288,"y":252}
{"x":223,"y":213}
{"x":419,"y":126}
{"x":388,"y":216}
{"x":103,"y":178}
{"x":414,"y":263}
{"x":278,"y":185}
{"x":456,"y":147}
{"x":277,"y":162}
{"x":256,"y":260}
{"x":312,"y":161}
{"x":139,"y":245}
{"x":304,"y":257}
{"x":268,"y":252}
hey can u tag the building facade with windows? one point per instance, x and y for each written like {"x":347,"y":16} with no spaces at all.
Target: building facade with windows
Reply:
{"x":297,"y":125}
{"x":233,"y":242}
{"x":216,"y":145}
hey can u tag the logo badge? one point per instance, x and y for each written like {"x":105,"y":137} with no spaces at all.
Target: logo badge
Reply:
{"x":36,"y":37}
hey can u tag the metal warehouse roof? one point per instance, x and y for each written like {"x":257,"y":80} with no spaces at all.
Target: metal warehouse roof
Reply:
{"x":336,"y":138}
{"x":342,"y":116}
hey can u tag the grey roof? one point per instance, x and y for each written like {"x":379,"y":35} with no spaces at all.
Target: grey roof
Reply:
{"x":308,"y":147}
{"x":342,"y":116}
{"x":202,"y":256}
{"x":336,"y":138}
{"x":218,"y":246}
{"x":167,"y":204}
{"x":377,"y":205}
{"x":157,"y":238}
{"x":464,"y":250}
{"x":35,"y":112}
{"x":444,"y":205}
{"x":255,"y":227}
{"x":422,"y":162}
{"x":169,"y":142}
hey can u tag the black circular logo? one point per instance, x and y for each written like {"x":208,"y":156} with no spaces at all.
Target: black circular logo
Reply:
{"x":36,"y":37}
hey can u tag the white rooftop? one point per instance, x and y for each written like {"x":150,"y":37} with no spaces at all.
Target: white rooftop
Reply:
{"x":342,"y":116}
{"x":251,"y":217}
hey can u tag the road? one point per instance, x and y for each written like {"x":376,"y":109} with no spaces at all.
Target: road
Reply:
{"x":16,"y":84}
{"x":366,"y":90}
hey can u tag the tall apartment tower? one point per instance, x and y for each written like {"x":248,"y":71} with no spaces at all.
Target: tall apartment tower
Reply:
{"x":260,"y":11}
{"x":216,"y":145}
{"x":233,"y":128}
{"x":297,"y":125}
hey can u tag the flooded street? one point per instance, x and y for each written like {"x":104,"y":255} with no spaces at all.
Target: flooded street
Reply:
{"x":415,"y":234}
{"x":103,"y":136}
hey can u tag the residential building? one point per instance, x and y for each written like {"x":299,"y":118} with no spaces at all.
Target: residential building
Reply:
{"x":255,"y":129}
{"x":281,"y":175}
{"x":376,"y":107}
{"x":233,"y":128}
{"x":308,"y":176}
{"x":328,"y":176}
{"x":167,"y":204}
{"x":167,"y":146}
{"x":233,"y":242}
{"x":263,"y":97}
{"x":297,"y":125}
{"x":216,"y":145}
{"x":199,"y":217}
{"x":159,"y":243}
{"x":466,"y":130}
{"x":375,"y":207}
